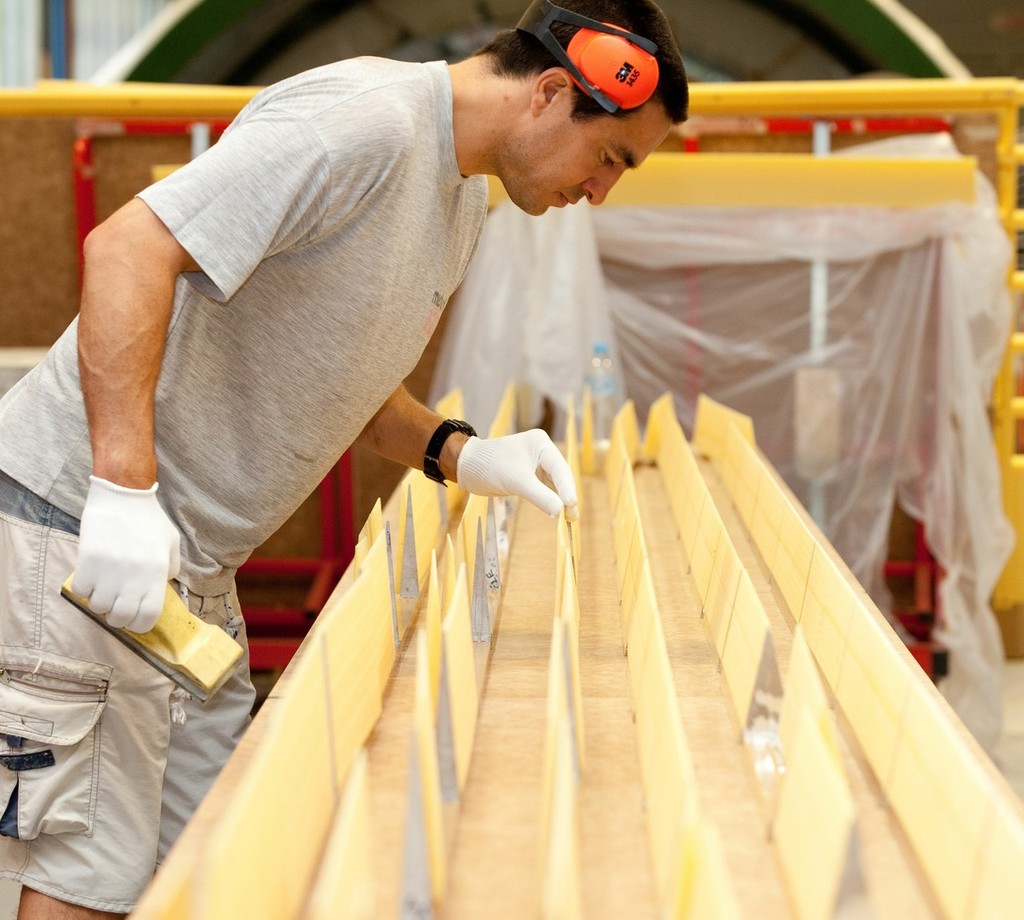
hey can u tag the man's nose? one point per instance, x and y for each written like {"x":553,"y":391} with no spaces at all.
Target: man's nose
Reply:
{"x":597,"y":187}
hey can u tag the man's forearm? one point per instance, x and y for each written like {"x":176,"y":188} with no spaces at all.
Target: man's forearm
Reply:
{"x":131,"y":264}
{"x":401,"y":429}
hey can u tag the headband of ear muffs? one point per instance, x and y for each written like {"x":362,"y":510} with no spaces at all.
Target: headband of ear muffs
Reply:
{"x":613,"y":66}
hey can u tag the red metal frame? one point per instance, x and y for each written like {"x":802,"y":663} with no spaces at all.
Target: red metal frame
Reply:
{"x":275,"y":632}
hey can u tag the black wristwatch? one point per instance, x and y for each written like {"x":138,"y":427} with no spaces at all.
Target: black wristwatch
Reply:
{"x":431,"y":464}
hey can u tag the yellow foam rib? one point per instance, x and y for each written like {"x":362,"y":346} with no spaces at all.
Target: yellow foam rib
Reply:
{"x":344,"y":888}
{"x":425,"y":739}
{"x":432,"y":624}
{"x":804,"y":690}
{"x":562,"y":875}
{"x":556,"y":722}
{"x":814,"y":821}
{"x":504,"y":418}
{"x":373,"y":587}
{"x":744,"y":646}
{"x":625,"y":421}
{"x":660,"y":416}
{"x":711,"y":426}
{"x":569,"y":612}
{"x":951,"y":809}
{"x":703,"y":887}
{"x":240,"y":875}
{"x":463,"y":694}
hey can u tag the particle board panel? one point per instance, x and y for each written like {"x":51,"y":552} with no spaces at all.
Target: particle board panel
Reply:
{"x":39,"y":268}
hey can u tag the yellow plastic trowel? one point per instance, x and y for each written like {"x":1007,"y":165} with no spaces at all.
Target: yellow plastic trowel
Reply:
{"x":197,"y":656}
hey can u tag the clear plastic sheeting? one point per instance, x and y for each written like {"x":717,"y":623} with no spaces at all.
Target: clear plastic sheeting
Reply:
{"x":875,"y":396}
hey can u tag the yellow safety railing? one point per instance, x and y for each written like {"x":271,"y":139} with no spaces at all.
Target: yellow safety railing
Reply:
{"x":1001,"y":98}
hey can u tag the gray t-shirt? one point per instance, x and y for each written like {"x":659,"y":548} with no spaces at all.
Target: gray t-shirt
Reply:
{"x":331,"y":225}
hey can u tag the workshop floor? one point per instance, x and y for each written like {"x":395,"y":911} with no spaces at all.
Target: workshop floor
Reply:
{"x":1009,"y":756}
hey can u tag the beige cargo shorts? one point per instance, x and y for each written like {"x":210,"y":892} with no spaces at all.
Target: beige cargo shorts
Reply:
{"x":96,"y":779}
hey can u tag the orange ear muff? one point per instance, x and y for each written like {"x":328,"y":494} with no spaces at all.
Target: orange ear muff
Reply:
{"x":624,"y":72}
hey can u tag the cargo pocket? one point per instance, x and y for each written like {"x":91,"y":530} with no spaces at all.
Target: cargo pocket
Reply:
{"x":49,"y":751}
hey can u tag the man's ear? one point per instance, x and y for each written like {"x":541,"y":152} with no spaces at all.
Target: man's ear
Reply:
{"x":550,"y":87}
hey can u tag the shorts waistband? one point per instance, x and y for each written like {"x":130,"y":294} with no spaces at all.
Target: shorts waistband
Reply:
{"x":23,"y":504}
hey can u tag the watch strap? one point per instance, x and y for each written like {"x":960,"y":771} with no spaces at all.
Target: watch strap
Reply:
{"x":432,"y":455}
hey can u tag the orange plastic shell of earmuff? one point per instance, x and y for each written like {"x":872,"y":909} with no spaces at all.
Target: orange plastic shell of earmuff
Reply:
{"x":626,"y":74}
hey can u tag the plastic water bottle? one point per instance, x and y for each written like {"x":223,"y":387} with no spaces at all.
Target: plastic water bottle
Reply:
{"x":603,"y":394}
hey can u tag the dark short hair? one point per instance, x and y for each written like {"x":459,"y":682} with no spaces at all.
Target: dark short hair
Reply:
{"x":519,"y":54}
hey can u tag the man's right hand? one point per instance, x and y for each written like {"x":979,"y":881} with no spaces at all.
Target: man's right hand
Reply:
{"x":128,"y":551}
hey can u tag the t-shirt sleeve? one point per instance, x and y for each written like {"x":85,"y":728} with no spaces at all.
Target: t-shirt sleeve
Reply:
{"x":261,"y":188}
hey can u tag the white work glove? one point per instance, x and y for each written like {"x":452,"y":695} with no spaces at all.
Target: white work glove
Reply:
{"x":128,"y":550}
{"x":510,"y":466}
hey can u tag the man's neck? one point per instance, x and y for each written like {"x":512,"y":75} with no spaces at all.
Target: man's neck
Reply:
{"x":484,"y":106}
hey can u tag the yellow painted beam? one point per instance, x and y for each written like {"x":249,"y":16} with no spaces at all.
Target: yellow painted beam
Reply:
{"x":847,"y":97}
{"x":815,"y":98}
{"x":71,"y":99}
{"x":794,"y":180}
{"x":787,"y":180}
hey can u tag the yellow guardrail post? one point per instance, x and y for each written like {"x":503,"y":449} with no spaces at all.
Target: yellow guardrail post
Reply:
{"x":1007,"y":404}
